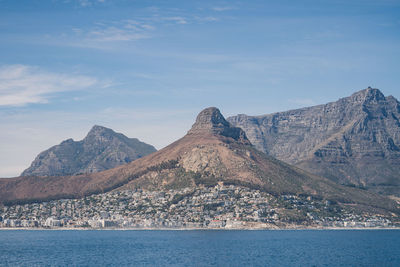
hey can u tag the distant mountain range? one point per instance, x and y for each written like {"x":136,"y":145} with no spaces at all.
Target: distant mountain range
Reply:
{"x":354,"y":141}
{"x":100,"y":150}
{"x":212,"y":152}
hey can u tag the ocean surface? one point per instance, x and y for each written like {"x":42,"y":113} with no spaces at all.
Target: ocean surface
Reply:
{"x":200,"y":248}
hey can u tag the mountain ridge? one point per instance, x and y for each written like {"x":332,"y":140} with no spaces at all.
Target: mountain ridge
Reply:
{"x":353,"y":141}
{"x":101,"y":149}
{"x":207,"y":155}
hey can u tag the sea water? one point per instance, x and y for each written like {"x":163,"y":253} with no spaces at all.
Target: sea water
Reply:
{"x":200,"y":248}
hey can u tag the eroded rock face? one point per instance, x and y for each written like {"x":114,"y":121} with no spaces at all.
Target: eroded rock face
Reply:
{"x":202,"y":159}
{"x":355,"y":140}
{"x":100,"y":150}
{"x":210,"y":120}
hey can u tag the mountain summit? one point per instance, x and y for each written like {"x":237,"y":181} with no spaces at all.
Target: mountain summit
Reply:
{"x":100,"y":150}
{"x":211,"y":121}
{"x":353,"y":141}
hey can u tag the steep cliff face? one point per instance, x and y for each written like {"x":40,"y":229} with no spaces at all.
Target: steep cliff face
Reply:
{"x":354,"y":141}
{"x":211,"y":121}
{"x":100,"y":150}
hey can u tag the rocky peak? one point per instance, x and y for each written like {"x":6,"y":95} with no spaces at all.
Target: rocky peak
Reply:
{"x":68,"y":141}
{"x":101,"y":149}
{"x":368,"y":95}
{"x":100,"y":133}
{"x":210,"y":120}
{"x":391,"y":99}
{"x":394,"y":103}
{"x":97,"y":130}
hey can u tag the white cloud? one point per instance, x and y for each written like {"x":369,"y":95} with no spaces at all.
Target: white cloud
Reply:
{"x":109,"y":35}
{"x":186,"y":20}
{"x":85,"y":3}
{"x":105,"y":33}
{"x":88,"y":3}
{"x":22,"y":84}
{"x":178,"y":20}
{"x":148,"y":27}
{"x":112,"y":34}
{"x":222,"y":8}
{"x":207,"y":19}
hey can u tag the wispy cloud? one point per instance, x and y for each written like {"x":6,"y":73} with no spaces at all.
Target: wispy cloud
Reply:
{"x":182,"y":19}
{"x":113,"y":34}
{"x":83,"y":3}
{"x":178,"y":20}
{"x":207,"y":19}
{"x":116,"y":31}
{"x":86,"y":3}
{"x":22,"y":84}
{"x":222,"y":8}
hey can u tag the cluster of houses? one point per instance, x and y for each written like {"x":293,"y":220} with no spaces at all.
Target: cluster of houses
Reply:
{"x":221,"y":206}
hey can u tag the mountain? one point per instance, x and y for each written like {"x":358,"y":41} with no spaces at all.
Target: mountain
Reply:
{"x":353,"y":141}
{"x":211,"y":152}
{"x":100,"y":150}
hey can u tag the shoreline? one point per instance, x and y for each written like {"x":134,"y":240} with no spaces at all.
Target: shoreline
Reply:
{"x":198,"y":229}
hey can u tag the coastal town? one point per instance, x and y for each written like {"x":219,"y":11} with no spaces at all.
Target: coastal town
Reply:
{"x":217,"y":207}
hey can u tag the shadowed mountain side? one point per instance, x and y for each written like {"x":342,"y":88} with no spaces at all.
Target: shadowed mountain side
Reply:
{"x":353,"y":141}
{"x":202,"y":157}
{"x":100,"y":150}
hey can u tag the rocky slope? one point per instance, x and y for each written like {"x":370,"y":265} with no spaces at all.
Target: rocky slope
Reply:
{"x":100,"y":150}
{"x":354,"y":141}
{"x":213,"y":151}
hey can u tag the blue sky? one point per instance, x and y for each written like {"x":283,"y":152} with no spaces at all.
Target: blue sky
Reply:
{"x":146,"y":68}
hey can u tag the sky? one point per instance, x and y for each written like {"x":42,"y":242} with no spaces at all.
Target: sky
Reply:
{"x":147,"y":68}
